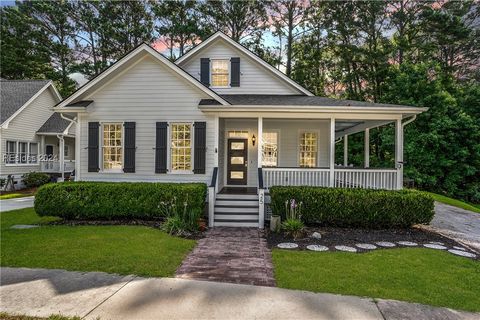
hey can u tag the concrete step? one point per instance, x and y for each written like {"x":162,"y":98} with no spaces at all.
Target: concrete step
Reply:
{"x":236,"y":209}
{"x":235,"y":224}
{"x":237,"y":203}
{"x":236,"y":217}
{"x":236,"y":197}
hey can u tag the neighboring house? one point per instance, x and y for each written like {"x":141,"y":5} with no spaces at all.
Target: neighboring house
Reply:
{"x":222,"y":116}
{"x":32,"y":136}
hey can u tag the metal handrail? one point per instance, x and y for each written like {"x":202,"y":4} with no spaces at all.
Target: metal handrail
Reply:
{"x":260,"y":178}
{"x":214,"y":177}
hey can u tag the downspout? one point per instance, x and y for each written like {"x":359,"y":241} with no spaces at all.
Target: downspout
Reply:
{"x":409,"y":120}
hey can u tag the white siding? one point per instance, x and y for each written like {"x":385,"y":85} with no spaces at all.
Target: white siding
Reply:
{"x":23,"y":128}
{"x":254,"y":78}
{"x":147,"y":93}
{"x":289,"y":139}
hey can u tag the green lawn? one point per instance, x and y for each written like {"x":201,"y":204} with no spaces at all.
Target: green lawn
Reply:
{"x":411,"y":274}
{"x":115,"y":249}
{"x":455,"y":202}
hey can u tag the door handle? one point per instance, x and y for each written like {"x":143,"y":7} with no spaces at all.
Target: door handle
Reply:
{"x":246,"y":163}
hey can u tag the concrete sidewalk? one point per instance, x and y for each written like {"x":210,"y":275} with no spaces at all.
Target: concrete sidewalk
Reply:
{"x":42,"y":292}
{"x":17,"y":203}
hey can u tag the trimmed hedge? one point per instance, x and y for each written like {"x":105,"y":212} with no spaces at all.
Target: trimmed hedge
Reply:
{"x":116,"y":200}
{"x":361,"y":208}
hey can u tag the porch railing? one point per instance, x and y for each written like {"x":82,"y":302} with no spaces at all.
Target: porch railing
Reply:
{"x":320,"y":177}
{"x":296,"y":177}
{"x":366,"y":178}
{"x":54,"y":166}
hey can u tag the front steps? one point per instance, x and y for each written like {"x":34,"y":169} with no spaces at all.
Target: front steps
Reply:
{"x":236,"y":210}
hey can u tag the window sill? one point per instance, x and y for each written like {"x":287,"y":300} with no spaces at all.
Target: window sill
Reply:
{"x":222,"y":87}
{"x":180,"y":172}
{"x":111,"y":171}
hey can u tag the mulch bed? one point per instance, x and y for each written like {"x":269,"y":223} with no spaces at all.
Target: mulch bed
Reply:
{"x":147,"y":223}
{"x":349,"y":237}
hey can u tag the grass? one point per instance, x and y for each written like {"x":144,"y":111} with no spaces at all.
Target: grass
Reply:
{"x":135,"y":250}
{"x":411,"y":274}
{"x":455,"y":202}
{"x":14,"y":195}
{"x":7,"y":316}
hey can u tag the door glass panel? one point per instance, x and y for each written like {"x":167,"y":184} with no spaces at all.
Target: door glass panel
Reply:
{"x":236,"y":160}
{"x":236,"y":174}
{"x":237,"y":146}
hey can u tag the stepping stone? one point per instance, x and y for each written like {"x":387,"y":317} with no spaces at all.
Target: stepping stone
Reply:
{"x":434,"y":246}
{"x":315,"y":247}
{"x":437,"y":242}
{"x":346,"y":248}
{"x":408,"y":243}
{"x":385,"y":244}
{"x":23,"y":226}
{"x":459,"y":248}
{"x":287,"y":245}
{"x":462,"y":253}
{"x":366,"y":246}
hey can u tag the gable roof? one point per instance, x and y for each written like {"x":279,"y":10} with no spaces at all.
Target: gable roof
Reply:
{"x":54,"y":124}
{"x":246,"y":51}
{"x":73,"y":99}
{"x":17,"y":94}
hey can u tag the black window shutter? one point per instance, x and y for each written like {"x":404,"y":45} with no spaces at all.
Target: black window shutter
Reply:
{"x":161,"y":148}
{"x":129,"y":147}
{"x":93,"y":141}
{"x":205,"y":71}
{"x":235,"y":72}
{"x":200,"y":147}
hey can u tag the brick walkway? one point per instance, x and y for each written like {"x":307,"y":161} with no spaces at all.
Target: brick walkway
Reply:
{"x":236,"y":255}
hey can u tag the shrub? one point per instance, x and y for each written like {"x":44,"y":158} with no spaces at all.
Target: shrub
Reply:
{"x":35,"y":179}
{"x":363,"y":208}
{"x":180,"y":220}
{"x":293,"y":228}
{"x":117,"y":200}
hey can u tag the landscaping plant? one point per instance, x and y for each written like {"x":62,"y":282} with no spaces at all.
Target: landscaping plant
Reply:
{"x":293,"y":225}
{"x":35,"y":179}
{"x":361,"y":208}
{"x":117,"y":200}
{"x":180,"y":220}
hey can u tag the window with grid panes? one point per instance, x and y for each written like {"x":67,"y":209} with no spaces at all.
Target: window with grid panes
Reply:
{"x":112,"y":151}
{"x":308,"y":149}
{"x":270,"y":149}
{"x":220,"y":73}
{"x":181,"y":147}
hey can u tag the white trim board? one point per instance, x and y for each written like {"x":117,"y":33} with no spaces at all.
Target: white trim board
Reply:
{"x":266,"y":65}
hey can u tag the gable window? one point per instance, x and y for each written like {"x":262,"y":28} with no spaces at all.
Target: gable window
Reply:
{"x":112,"y":152}
{"x":220,"y":73}
{"x":181,"y":147}
{"x":270,"y":149}
{"x":308,"y":149}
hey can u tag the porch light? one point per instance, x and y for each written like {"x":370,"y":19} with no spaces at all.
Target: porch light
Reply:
{"x":253,"y":140}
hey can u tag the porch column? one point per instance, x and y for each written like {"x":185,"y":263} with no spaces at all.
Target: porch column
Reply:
{"x":216,"y":126}
{"x":345,"y":150}
{"x":259,"y":142}
{"x":367,"y":148}
{"x":399,"y":152}
{"x":41,"y":150}
{"x":62,"y":157}
{"x":332,"y":152}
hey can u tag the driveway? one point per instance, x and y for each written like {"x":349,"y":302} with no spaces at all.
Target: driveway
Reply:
{"x":93,"y":295}
{"x":458,"y":224}
{"x":18,"y":203}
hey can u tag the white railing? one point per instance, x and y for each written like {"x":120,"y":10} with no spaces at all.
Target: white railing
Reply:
{"x":366,"y":178}
{"x":343,"y":177}
{"x":295,"y":177}
{"x":54,"y":166}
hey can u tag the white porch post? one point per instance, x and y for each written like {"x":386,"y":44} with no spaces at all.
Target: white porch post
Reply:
{"x":367,"y":148}
{"x":259,"y":141}
{"x":216,"y":128}
{"x":399,"y":152}
{"x":62,"y":157}
{"x":332,"y":152}
{"x":345,"y":150}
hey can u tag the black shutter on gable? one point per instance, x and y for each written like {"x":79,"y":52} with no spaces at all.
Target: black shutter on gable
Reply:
{"x":161,"y":148}
{"x":93,"y":142}
{"x":205,"y":71}
{"x":129,"y":147}
{"x":200,"y":147}
{"x":235,"y":72}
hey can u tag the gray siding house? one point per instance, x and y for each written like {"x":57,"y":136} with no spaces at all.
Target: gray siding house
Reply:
{"x":222,"y":116}
{"x":32,"y":136}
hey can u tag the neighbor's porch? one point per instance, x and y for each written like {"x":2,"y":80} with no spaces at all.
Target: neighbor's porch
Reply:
{"x":57,"y":154}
